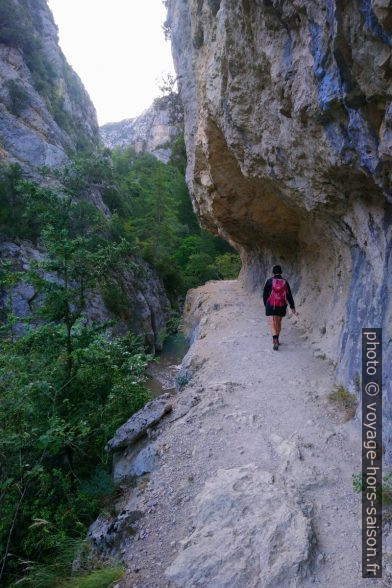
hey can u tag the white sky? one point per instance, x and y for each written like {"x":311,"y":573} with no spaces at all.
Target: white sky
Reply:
{"x":118,"y":49}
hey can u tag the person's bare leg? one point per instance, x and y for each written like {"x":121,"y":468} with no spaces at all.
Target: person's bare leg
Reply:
{"x":272,"y":325}
{"x":278,"y":324}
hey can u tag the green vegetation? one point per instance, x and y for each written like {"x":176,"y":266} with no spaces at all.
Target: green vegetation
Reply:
{"x":17,"y":96}
{"x":93,"y":573}
{"x":183,"y":380}
{"x":150,"y":211}
{"x":154,"y":208}
{"x":345,"y":402}
{"x":359,"y":483}
{"x":65,"y":383}
{"x":104,"y":578}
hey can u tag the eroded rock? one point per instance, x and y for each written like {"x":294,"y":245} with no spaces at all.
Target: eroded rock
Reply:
{"x":137,"y":425}
{"x":288,"y":133}
{"x":247,"y":532}
{"x":148,"y":306}
{"x":153,"y":131}
{"x":126,"y":467}
{"x":107,"y":535}
{"x":43,"y":116}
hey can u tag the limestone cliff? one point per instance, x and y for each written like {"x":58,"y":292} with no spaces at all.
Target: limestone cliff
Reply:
{"x":153,"y":131}
{"x":288,"y":121}
{"x":46,"y":116}
{"x":45,"y":112}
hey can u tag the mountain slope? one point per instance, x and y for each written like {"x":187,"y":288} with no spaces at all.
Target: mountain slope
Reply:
{"x":45,"y":112}
{"x":46,"y":118}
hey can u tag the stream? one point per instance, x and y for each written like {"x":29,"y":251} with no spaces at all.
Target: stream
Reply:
{"x":163,"y":371}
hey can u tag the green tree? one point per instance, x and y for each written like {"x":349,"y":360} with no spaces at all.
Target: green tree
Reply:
{"x":228,"y":265}
{"x":65,"y":385}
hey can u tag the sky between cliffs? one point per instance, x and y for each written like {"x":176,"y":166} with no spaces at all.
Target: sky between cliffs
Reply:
{"x":118,"y":49}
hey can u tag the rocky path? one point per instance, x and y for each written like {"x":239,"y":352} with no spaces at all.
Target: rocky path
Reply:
{"x":255,"y":483}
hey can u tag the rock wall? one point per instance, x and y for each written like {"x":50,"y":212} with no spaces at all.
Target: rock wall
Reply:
{"x":46,"y":116}
{"x":45,"y":112}
{"x":288,"y":128}
{"x":153,"y":131}
{"x":147,"y":305}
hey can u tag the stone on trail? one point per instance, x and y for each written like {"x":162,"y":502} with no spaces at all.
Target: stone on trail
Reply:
{"x":249,"y":532}
{"x":126,"y":467}
{"x":137,"y":425}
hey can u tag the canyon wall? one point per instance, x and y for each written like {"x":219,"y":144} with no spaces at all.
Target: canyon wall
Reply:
{"x":153,"y":131}
{"x":46,"y":117}
{"x":288,"y":128}
{"x":45,"y":112}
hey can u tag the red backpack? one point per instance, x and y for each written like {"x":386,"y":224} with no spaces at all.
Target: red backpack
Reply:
{"x":278,"y":293}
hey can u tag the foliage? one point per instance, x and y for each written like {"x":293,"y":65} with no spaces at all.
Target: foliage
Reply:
{"x":150,"y":211}
{"x":170,"y":97}
{"x":384,"y":491}
{"x":65,"y":386}
{"x":17,"y":96}
{"x":387,"y":490}
{"x":97,"y":574}
{"x":183,"y":380}
{"x":104,"y":578}
{"x":173,"y":324}
{"x":10,"y":204}
{"x":228,"y":265}
{"x":178,"y":154}
{"x":357,"y":482}
{"x":154,"y":207}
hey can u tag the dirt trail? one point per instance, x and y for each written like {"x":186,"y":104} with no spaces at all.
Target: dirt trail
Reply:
{"x":255,"y":483}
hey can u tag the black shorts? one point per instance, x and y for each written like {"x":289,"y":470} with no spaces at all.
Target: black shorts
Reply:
{"x":275,"y":310}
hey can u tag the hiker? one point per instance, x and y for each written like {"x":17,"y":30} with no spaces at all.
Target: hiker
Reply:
{"x":276,"y":295}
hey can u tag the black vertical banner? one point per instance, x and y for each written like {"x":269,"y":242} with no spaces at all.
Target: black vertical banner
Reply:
{"x":372,"y":453}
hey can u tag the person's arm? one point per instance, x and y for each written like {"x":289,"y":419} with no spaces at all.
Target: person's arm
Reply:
{"x":290,"y":298}
{"x":267,"y":290}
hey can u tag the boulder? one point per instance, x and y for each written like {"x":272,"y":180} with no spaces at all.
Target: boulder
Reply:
{"x":137,"y":425}
{"x":248,"y":531}
{"x":126,"y":466}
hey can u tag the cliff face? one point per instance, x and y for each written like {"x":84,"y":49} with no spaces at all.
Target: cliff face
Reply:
{"x":153,"y":131}
{"x":147,"y":306}
{"x":288,"y":127}
{"x":46,"y":116}
{"x":45,"y":112}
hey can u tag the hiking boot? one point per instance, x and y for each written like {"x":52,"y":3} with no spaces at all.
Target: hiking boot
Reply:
{"x":276,"y":346}
{"x":275,"y":342}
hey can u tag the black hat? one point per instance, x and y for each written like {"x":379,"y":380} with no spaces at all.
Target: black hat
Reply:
{"x":276,"y":269}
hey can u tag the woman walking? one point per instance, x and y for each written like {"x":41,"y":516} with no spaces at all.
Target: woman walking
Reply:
{"x":276,"y":295}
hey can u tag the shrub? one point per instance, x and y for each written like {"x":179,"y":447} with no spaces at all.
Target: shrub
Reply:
{"x":104,"y":578}
{"x":183,"y":380}
{"x":359,"y":482}
{"x":115,"y":299}
{"x":65,"y":386}
{"x":345,"y":402}
{"x":18,"y":97}
{"x":228,"y":265}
